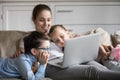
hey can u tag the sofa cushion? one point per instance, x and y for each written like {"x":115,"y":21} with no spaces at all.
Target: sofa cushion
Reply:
{"x":9,"y":42}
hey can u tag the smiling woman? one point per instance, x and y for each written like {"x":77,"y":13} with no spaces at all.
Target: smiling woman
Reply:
{"x":41,"y":16}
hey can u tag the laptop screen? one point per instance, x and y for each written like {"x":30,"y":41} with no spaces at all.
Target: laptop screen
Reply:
{"x":81,"y":49}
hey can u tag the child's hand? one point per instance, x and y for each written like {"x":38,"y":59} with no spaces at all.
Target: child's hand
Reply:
{"x":105,"y":51}
{"x":43,"y":57}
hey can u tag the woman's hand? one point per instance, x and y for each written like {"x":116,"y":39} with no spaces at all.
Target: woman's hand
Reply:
{"x":16,"y":54}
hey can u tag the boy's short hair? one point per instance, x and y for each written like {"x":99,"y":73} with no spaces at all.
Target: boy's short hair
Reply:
{"x":33,"y":40}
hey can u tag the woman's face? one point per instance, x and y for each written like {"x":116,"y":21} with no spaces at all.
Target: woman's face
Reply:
{"x":43,"y":21}
{"x":59,"y":36}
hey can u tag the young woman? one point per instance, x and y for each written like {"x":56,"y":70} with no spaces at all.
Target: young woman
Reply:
{"x":41,"y":18}
{"x":36,"y":50}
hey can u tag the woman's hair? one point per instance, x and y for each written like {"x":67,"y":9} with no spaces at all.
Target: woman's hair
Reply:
{"x":33,"y":40}
{"x":38,"y":9}
{"x":56,"y":26}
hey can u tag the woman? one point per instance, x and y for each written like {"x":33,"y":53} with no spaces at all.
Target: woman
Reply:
{"x":41,"y":18}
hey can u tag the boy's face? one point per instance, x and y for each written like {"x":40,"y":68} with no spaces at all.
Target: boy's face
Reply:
{"x":45,"y":46}
{"x":59,"y":36}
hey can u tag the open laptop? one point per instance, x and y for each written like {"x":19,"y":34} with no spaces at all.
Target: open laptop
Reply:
{"x":78,"y":50}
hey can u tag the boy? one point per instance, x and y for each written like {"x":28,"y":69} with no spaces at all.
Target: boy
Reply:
{"x":36,"y":50}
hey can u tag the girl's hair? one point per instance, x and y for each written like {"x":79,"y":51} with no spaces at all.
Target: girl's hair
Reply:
{"x":56,"y":26}
{"x":34,"y":40}
{"x":38,"y":9}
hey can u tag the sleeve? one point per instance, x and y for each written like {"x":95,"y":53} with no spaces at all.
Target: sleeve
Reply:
{"x":21,"y":45}
{"x":40,"y":72}
{"x":55,"y":51}
{"x":105,"y":37}
{"x":24,"y":68}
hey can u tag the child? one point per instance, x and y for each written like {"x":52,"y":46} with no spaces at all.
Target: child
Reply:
{"x":36,"y":49}
{"x":59,"y":35}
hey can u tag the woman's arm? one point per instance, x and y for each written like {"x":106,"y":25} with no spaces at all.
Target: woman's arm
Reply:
{"x":55,"y":51}
{"x":20,"y":50}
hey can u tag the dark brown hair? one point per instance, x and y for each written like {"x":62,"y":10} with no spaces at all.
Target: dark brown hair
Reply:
{"x":34,"y":40}
{"x":38,"y":9}
{"x":55,"y":26}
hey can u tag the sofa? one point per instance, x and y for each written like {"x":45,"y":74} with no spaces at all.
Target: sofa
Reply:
{"x":9,"y":40}
{"x":9,"y":43}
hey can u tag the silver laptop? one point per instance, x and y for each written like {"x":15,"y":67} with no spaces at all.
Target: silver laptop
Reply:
{"x":78,"y":50}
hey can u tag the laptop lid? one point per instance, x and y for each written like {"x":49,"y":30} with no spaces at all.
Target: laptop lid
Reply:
{"x":81,"y":49}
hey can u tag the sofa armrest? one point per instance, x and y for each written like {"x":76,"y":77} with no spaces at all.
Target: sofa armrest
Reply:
{"x":9,"y":42}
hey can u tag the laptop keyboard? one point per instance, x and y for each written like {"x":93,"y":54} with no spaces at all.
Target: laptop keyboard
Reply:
{"x":60,"y":63}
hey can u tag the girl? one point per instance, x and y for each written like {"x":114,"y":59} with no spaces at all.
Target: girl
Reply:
{"x":90,"y":70}
{"x":59,"y":34}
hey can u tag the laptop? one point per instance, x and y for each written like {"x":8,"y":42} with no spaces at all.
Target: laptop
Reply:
{"x":78,"y":50}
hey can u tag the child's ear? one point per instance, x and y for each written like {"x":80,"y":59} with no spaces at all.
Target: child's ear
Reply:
{"x":33,"y":51}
